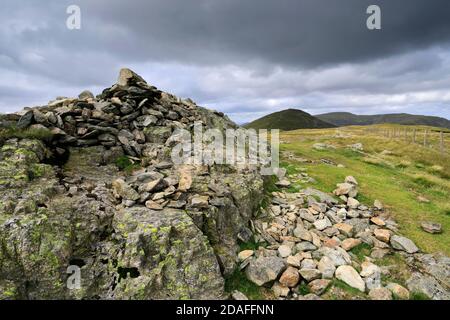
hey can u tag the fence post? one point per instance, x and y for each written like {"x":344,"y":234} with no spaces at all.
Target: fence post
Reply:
{"x":414,"y":135}
{"x":442,"y":141}
{"x":425,"y":138}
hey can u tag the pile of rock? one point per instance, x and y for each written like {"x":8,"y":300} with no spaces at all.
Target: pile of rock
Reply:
{"x":130,"y":232}
{"x":125,"y":116}
{"x":310,"y":241}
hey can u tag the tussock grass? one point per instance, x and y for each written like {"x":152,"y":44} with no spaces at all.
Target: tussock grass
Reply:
{"x":39,"y":134}
{"x":396,"y":178}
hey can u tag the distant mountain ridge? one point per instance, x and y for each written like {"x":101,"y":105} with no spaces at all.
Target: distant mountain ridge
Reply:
{"x":289,"y":119}
{"x":348,"y":119}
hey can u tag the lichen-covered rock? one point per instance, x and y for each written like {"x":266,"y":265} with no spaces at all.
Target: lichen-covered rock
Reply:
{"x":169,"y":255}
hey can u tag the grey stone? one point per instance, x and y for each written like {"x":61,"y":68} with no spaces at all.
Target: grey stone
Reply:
{"x":404,"y":244}
{"x":264,"y":269}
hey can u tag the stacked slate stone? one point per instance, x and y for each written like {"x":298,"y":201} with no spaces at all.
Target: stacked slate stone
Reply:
{"x":127,"y":115}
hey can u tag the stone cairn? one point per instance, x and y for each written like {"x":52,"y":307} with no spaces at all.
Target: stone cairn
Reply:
{"x":152,"y":221}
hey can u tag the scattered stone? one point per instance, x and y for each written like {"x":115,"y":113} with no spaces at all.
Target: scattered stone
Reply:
{"x":290,"y":277}
{"x":344,"y":228}
{"x":369,"y":269}
{"x":294,"y":260}
{"x":350,"y":243}
{"x":403,"y":243}
{"x":378,"y":221}
{"x":280,"y":290}
{"x":382,"y":235}
{"x":284,"y":251}
{"x":306,"y":215}
{"x":378,"y":205}
{"x":123,"y":190}
{"x":245,"y":254}
{"x":351,"y":180}
{"x":327,"y":267}
{"x":302,"y":234}
{"x":398,"y":291}
{"x":153,"y":205}
{"x":380,"y":294}
{"x":310,"y":274}
{"x":25,"y":120}
{"x":351,"y":277}
{"x":264,"y":269}
{"x":319,"y":286}
{"x":423,"y":199}
{"x":322,"y":146}
{"x":322,"y":224}
{"x":284,"y":183}
{"x":356,"y":147}
{"x":352,"y":203}
{"x":199,"y":201}
{"x":379,"y":253}
{"x":346,"y":189}
{"x":431,"y":227}
{"x":305,"y":246}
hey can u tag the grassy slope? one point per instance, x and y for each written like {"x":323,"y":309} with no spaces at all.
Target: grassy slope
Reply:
{"x":396,"y":179}
{"x":345,"y":119}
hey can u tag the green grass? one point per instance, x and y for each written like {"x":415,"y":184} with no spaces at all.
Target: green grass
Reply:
{"x":39,"y":134}
{"x":339,"y":290}
{"x":251,"y":245}
{"x":238,"y":281}
{"x":126,"y":164}
{"x":418,"y":296}
{"x":269,"y":184}
{"x":361,"y":251}
{"x":399,"y":270}
{"x":397,"y":186}
{"x":303,"y":289}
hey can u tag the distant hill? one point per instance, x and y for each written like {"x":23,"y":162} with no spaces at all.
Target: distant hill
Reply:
{"x":347,"y":119}
{"x":290,"y":119}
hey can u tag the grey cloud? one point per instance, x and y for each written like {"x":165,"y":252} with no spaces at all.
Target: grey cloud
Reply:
{"x":247,"y":58}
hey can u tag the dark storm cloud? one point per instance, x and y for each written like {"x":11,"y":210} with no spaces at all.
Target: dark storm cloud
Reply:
{"x":240,"y":56}
{"x":281,"y":32}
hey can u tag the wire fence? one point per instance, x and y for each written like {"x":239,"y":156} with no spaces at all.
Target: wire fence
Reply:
{"x":429,"y":138}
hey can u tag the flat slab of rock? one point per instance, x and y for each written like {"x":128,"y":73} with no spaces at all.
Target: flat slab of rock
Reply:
{"x":245,"y":254}
{"x":431,"y":227}
{"x":351,"y":277}
{"x":403,"y":243}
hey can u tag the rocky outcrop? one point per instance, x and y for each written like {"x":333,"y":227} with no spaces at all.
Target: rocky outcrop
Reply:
{"x":156,"y":231}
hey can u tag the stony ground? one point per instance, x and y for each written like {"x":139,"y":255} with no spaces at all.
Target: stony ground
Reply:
{"x":314,"y":243}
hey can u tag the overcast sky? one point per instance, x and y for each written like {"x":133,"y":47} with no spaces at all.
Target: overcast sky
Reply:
{"x":244,"y":57}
